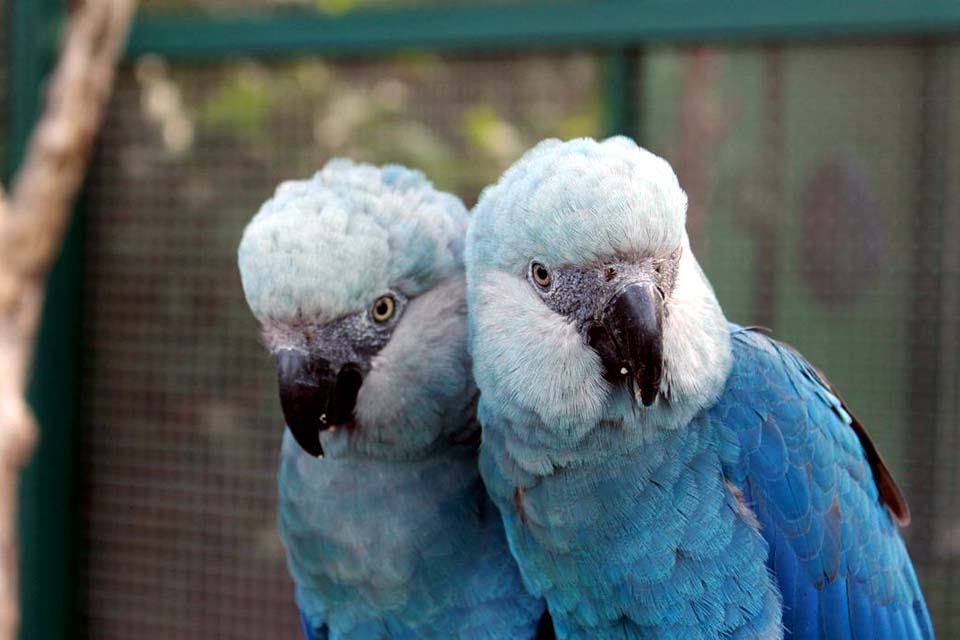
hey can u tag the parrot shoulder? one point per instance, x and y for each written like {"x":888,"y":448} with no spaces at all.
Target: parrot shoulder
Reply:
{"x":890,"y":494}
{"x":826,"y":502}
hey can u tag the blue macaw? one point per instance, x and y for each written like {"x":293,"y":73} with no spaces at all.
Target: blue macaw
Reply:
{"x":662,"y":473}
{"x":356,"y":276}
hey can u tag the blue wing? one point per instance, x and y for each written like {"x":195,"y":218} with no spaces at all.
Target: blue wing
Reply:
{"x":823,"y":496}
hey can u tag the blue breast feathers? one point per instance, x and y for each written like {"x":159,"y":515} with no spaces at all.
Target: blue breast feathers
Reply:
{"x":399,"y":549}
{"x":645,"y":541}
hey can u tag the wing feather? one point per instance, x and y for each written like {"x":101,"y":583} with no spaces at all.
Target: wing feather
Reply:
{"x":826,"y":501}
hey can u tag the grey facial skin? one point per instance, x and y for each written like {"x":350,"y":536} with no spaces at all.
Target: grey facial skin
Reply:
{"x":353,"y":338}
{"x":320,"y":368}
{"x":580,"y":292}
{"x":618,"y":308}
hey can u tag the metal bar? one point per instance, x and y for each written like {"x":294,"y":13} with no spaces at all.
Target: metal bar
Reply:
{"x":602,"y":24}
{"x":766,"y":229}
{"x":25,"y":75}
{"x":921,"y":445}
{"x":947,"y":436}
{"x":620,"y":93}
{"x":47,"y":516}
{"x":49,"y":531}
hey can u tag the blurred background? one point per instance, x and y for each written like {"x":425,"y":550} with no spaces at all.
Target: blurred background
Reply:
{"x":819,"y":145}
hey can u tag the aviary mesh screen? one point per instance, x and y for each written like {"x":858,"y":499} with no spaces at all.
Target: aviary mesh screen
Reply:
{"x":181,"y":422}
{"x":823,"y":204}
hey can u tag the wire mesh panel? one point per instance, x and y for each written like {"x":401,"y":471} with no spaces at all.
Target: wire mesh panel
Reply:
{"x":824,"y":204}
{"x":182,"y":426}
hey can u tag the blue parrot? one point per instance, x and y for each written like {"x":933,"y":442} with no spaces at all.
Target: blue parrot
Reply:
{"x":356,"y":277}
{"x":660,"y":472}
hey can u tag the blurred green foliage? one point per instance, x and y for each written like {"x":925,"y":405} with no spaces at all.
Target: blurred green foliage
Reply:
{"x":240,"y":105}
{"x":405,"y":110}
{"x":336,"y":7}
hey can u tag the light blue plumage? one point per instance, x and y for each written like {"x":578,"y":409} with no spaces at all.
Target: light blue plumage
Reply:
{"x":662,"y":473}
{"x":356,"y":276}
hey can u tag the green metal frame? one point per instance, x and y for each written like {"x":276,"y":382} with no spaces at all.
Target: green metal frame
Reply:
{"x":621,"y":98}
{"x":615,"y":28}
{"x":603,"y":24}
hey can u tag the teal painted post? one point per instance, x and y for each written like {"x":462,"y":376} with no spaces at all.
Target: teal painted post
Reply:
{"x":621,"y":93}
{"x":47,"y":513}
{"x":922,"y":447}
{"x":25,"y":74}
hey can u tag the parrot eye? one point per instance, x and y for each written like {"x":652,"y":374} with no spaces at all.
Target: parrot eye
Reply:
{"x":383,"y":308}
{"x":540,"y":275}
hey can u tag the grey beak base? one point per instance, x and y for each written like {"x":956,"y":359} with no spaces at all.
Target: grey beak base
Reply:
{"x":630,"y":338}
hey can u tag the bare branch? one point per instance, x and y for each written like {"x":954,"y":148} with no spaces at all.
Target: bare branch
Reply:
{"x":33,"y":218}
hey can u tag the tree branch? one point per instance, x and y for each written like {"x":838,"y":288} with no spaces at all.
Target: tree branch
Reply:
{"x":33,"y":218}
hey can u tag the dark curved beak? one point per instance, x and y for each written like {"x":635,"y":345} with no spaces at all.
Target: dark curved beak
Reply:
{"x":314,"y":396}
{"x":629,"y":339}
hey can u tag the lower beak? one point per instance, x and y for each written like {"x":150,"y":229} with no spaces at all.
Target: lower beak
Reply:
{"x":314,"y":396}
{"x":629,"y":338}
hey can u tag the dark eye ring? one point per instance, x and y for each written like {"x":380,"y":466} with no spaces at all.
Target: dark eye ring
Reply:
{"x":383,"y":309}
{"x":540,"y":275}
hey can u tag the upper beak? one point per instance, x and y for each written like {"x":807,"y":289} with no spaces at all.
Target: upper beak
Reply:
{"x":629,"y":338}
{"x":314,"y":396}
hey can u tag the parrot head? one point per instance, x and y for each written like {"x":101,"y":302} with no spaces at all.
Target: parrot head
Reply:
{"x":584,"y":292}
{"x":356,"y":277}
